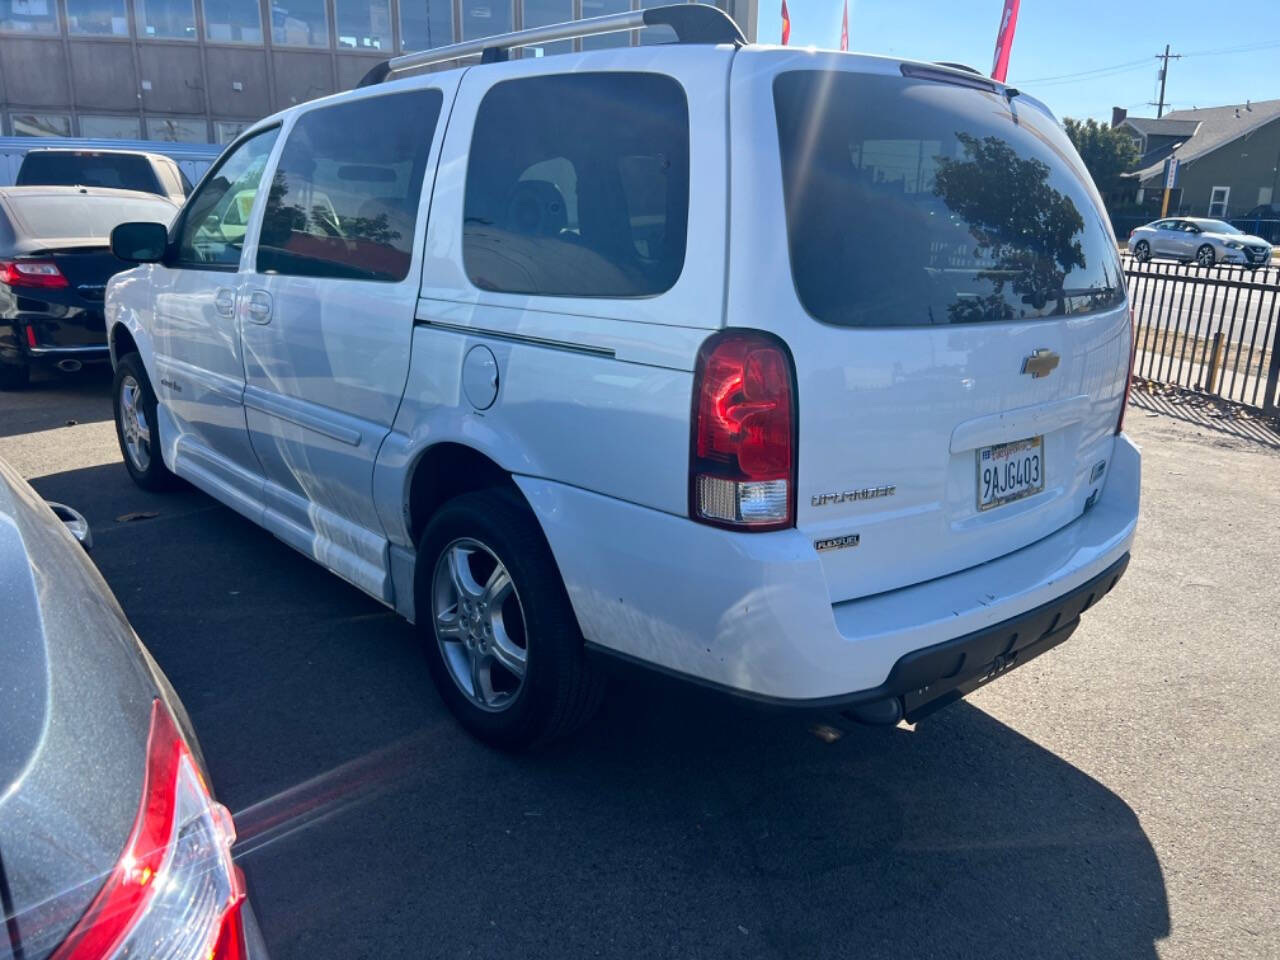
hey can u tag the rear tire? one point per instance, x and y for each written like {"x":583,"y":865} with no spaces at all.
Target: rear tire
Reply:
{"x":506,"y":655}
{"x":1205,"y":256}
{"x":14,"y":376}
{"x":136,"y":425}
{"x":1142,"y":251}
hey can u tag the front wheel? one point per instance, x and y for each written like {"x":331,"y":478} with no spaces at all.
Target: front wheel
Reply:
{"x":501,"y":638}
{"x":1205,"y":256}
{"x":1142,"y":251}
{"x":135,"y":411}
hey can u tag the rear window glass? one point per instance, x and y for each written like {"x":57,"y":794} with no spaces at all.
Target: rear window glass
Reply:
{"x":122,"y":171}
{"x":914,"y":202}
{"x":578,"y":185}
{"x":82,"y":217}
{"x":344,"y":199}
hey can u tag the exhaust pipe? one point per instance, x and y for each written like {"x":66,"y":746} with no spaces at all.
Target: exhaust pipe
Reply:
{"x":879,"y":713}
{"x":68,"y":365}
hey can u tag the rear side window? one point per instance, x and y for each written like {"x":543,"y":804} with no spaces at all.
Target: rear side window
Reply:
{"x":88,"y":169}
{"x":914,"y":202}
{"x":344,"y":197}
{"x":578,"y":185}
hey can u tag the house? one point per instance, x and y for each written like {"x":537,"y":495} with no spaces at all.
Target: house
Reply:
{"x":1228,"y":158}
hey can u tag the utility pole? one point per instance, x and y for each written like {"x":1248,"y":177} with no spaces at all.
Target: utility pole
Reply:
{"x":1164,"y":76}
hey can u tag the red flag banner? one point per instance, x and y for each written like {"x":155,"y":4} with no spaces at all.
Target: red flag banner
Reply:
{"x":1004,"y":40}
{"x":786,"y":24}
{"x":844,"y":27}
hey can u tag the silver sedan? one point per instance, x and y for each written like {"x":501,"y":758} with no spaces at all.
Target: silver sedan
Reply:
{"x":1200,"y":240}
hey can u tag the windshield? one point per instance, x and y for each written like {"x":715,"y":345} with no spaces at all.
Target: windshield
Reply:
{"x":1216,"y":226}
{"x":123,"y":171}
{"x":77,"y":216}
{"x":914,"y":202}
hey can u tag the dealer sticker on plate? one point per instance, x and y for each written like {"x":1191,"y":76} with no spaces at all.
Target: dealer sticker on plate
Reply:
{"x":1010,"y":471}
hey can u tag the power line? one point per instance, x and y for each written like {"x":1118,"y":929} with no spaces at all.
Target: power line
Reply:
{"x":1085,"y":73}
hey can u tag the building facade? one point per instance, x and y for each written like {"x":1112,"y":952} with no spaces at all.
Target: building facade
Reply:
{"x":199,"y":71}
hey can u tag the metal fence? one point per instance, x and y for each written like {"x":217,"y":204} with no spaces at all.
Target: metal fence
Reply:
{"x":1213,"y":330}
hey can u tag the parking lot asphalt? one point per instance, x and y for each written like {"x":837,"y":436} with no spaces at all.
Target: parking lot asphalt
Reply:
{"x":1117,"y":798}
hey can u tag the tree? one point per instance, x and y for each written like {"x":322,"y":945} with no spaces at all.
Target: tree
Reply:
{"x":1106,"y":151}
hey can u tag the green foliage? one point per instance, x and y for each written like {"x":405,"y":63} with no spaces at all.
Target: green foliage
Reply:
{"x":1106,"y":151}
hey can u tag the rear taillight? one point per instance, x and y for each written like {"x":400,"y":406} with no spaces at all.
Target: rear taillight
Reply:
{"x":31,"y":273}
{"x":742,"y":457}
{"x":1128,"y":381}
{"x":174,"y":893}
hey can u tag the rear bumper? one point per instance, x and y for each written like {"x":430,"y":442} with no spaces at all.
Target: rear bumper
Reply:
{"x":751,"y":613}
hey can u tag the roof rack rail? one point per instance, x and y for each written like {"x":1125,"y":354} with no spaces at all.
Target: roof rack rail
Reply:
{"x":692,"y":23}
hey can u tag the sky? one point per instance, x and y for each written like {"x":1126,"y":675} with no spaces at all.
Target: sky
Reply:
{"x":1081,"y":57}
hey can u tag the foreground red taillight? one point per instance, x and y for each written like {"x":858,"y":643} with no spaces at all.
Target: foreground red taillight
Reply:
{"x":174,"y":893}
{"x":31,"y":273}
{"x":1128,"y":382}
{"x":742,"y":457}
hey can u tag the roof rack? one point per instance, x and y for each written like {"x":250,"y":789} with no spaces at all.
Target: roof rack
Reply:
{"x":692,"y":23}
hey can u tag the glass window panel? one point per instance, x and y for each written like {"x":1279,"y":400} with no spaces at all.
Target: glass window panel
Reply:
{"x":578,"y":185}
{"x":364,"y":24}
{"x":980,"y":214}
{"x":344,"y":197}
{"x":172,"y":19}
{"x":424,"y":23}
{"x":97,"y":18}
{"x":228,"y":130}
{"x":598,"y":8}
{"x":177,"y":129}
{"x":540,"y":13}
{"x":110,"y":128}
{"x":29,"y":16}
{"x":217,"y":215}
{"x":484,"y":18}
{"x":40,"y":125}
{"x":299,"y":23}
{"x":232,"y":21}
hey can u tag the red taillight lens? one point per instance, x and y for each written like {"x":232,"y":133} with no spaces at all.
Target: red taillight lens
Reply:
{"x":174,"y":893}
{"x":31,"y":273}
{"x":742,"y":461}
{"x":1128,"y":382}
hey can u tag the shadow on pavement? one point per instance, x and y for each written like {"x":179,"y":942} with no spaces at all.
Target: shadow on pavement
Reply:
{"x":1208,"y":412}
{"x":678,"y":824}
{"x":52,"y":398}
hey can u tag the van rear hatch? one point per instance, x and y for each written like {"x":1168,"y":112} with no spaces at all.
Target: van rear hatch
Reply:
{"x":934,"y":255}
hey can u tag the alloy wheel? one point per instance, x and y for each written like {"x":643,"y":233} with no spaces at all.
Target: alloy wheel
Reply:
{"x":479,"y":624}
{"x":134,"y":426}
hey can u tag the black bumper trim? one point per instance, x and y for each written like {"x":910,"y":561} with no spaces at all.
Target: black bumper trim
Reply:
{"x":928,"y":679}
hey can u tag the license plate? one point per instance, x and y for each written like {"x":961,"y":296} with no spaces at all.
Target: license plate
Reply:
{"x":1010,"y":471}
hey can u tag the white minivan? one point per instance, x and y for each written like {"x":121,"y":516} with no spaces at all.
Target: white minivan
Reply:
{"x":794,"y":373}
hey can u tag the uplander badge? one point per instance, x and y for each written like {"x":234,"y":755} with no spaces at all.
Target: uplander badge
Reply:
{"x":845,"y":496}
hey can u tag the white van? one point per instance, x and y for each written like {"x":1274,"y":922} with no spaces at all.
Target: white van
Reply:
{"x":794,"y":373}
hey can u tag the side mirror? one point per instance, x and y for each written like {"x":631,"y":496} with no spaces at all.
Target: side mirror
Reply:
{"x":140,"y":242}
{"x":76,"y":523}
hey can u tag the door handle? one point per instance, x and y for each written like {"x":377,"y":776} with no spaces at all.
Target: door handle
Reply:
{"x":225,"y":302}
{"x":259,"y":307}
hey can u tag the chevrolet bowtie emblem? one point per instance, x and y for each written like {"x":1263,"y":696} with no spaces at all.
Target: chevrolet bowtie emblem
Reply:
{"x":1041,"y":363}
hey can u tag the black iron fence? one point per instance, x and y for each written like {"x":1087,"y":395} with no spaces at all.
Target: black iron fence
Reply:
{"x":1215,"y":330}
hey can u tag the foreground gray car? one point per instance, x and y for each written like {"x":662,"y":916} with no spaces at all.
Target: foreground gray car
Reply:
{"x":1204,"y":241}
{"x":110,"y":842}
